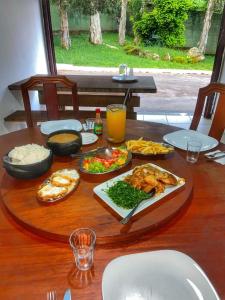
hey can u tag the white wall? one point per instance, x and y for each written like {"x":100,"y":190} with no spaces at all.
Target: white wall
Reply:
{"x":22,"y":48}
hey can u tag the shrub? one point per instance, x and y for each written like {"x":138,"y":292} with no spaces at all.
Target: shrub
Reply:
{"x":166,"y":20}
{"x":132,"y":49}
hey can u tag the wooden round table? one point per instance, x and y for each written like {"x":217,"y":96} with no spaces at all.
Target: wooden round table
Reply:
{"x":83,"y":208}
{"x":31,"y":265}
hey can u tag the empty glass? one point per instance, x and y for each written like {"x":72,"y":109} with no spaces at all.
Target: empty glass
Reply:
{"x":82,"y":242}
{"x":193,"y":149}
{"x":90,"y":122}
{"x":123,"y":70}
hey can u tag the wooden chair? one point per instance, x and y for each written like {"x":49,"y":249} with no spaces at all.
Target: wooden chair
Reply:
{"x":50,"y":85}
{"x":218,"y":122}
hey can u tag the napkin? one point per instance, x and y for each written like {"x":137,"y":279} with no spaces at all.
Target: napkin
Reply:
{"x":218,"y":160}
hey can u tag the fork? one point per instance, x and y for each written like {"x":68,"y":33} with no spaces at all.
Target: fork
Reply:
{"x":51,"y":295}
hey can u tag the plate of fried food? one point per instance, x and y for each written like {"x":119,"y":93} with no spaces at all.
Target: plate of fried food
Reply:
{"x":58,"y":185}
{"x":144,"y":147}
{"x":124,"y":192}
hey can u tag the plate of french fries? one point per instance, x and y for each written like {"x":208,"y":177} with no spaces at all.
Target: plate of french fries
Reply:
{"x":145,"y":147}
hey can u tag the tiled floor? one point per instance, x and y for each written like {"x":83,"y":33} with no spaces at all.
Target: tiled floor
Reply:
{"x":181,"y":120}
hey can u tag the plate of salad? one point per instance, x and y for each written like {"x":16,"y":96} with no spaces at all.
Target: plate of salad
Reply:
{"x":105,"y":160}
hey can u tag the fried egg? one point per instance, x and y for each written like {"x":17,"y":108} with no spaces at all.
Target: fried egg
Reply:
{"x":50,"y":191}
{"x":61,"y":183}
{"x":70,"y":173}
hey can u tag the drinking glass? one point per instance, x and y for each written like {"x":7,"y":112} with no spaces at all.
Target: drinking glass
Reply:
{"x":123,"y":70}
{"x":193,"y":149}
{"x":116,"y":122}
{"x":82,"y":242}
{"x":90,"y":122}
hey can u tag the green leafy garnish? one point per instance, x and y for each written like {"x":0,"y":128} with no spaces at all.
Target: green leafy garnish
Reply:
{"x":125,"y":195}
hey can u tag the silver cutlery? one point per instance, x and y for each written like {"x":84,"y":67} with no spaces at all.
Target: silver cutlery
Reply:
{"x":94,"y":151}
{"x":128,"y":217}
{"x":216,"y":155}
{"x":67,"y":295}
{"x":51,"y":295}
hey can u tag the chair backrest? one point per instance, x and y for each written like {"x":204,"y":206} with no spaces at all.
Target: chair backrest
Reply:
{"x":49,"y":85}
{"x":218,"y":122}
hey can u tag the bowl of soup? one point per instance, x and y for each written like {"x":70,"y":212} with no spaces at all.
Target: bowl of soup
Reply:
{"x":64,"y":142}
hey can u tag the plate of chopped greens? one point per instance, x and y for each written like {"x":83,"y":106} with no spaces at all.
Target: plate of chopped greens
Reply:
{"x":105,"y":160}
{"x":125,"y":191}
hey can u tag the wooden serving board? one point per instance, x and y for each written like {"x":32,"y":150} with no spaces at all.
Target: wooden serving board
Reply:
{"x":84,"y":209}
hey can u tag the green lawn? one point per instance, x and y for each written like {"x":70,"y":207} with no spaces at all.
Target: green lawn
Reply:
{"x":83,"y":53}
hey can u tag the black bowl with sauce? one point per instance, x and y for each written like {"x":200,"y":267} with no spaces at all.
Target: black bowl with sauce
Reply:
{"x":64,"y":142}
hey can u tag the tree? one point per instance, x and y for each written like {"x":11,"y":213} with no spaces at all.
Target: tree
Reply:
{"x":164,"y":22}
{"x":63,"y":8}
{"x":93,"y":8}
{"x":95,"y":24}
{"x":123,"y":19}
{"x":206,"y":26}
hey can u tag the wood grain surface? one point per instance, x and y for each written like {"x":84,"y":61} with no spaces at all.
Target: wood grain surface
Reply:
{"x":31,"y":265}
{"x":103,"y":83}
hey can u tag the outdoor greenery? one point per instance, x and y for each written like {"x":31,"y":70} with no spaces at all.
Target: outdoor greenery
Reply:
{"x":110,"y":54}
{"x":165,"y":20}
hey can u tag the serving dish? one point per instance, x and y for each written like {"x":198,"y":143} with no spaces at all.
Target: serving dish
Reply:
{"x":51,"y":126}
{"x":105,"y":154}
{"x":63,"y":148}
{"x":124,"y":78}
{"x":179,"y":139}
{"x":58,"y":186}
{"x":100,"y":191}
{"x":151,"y":146}
{"x":163,"y":274}
{"x":27,"y":171}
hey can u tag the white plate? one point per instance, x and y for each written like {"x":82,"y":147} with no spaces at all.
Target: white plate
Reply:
{"x":100,"y":191}
{"x":125,"y":78}
{"x":179,"y":139}
{"x":156,"y":275}
{"x":51,"y":126}
{"x":88,"y":138}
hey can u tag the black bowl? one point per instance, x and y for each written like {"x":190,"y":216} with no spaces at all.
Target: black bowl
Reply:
{"x":67,"y":148}
{"x":27,"y":171}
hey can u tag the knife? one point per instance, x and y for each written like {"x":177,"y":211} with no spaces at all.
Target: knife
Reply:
{"x":216,"y":157}
{"x":67,"y":295}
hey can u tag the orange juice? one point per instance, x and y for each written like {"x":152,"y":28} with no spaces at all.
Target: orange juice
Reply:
{"x":116,"y":122}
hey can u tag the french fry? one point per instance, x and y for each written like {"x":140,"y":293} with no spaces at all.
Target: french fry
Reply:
{"x":147,"y":147}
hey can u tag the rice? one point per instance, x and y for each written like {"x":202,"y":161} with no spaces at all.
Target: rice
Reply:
{"x":28,"y":154}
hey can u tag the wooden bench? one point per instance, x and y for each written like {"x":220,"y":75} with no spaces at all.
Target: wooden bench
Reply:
{"x":87,"y":104}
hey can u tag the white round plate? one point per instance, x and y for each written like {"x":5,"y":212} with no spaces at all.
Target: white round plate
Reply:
{"x":124,"y":78}
{"x":51,"y":126}
{"x":163,"y":274}
{"x":180,"y":138}
{"x":88,"y":138}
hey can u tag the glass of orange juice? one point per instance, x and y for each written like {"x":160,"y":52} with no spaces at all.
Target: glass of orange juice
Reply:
{"x":116,"y":122}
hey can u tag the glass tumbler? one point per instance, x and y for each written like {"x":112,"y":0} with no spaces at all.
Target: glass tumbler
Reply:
{"x":82,"y":242}
{"x":123,"y":70}
{"x":193,"y":149}
{"x":116,"y":122}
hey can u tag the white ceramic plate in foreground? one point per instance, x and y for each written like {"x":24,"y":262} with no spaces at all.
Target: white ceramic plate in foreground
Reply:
{"x":179,"y":139}
{"x":100,"y":190}
{"x":88,"y":138}
{"x":156,"y":275}
{"x":51,"y":126}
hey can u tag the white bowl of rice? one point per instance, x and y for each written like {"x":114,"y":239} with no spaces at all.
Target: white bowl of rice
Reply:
{"x":28,"y":161}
